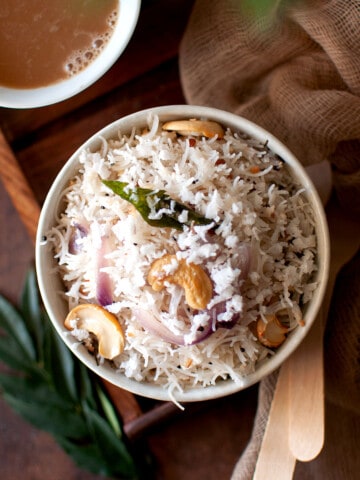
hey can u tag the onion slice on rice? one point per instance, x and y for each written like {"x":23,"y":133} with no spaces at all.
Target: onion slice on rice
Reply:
{"x":150,"y":323}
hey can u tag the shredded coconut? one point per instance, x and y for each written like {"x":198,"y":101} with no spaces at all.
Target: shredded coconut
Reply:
{"x":264,"y":215}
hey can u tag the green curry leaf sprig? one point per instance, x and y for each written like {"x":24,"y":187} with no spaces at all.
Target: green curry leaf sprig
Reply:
{"x":265,"y":8}
{"x":156,"y":207}
{"x":51,"y":389}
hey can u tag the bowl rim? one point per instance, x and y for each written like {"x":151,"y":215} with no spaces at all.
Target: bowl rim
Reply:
{"x":129,"y":11}
{"x":221,"y":388}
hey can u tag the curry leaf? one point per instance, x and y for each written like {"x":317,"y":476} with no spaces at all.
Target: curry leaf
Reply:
{"x":259,"y":7}
{"x":55,"y":392}
{"x":109,"y":412}
{"x":13,"y":324}
{"x":13,"y":355}
{"x":19,"y":387}
{"x":31,"y":312}
{"x":57,"y":421}
{"x":85,"y":455}
{"x":110,"y":448}
{"x":264,"y":9}
{"x":156,"y":207}
{"x":86,"y":385}
{"x":60,"y":363}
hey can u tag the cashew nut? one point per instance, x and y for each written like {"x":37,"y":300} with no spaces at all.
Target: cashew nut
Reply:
{"x":103,"y":324}
{"x":191,"y":277}
{"x":195,"y":127}
{"x":271,"y":332}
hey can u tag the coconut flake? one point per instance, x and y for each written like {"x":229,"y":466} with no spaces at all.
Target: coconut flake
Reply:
{"x":260,"y":251}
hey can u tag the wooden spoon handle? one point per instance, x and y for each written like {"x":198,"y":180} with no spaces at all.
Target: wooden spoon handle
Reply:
{"x":306,"y":395}
{"x":306,"y":382}
{"x":275,"y":461}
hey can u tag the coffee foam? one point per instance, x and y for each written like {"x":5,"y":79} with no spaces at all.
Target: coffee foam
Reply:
{"x":80,"y":59}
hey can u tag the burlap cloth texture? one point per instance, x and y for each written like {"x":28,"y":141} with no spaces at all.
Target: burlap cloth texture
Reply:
{"x":297,"y":74}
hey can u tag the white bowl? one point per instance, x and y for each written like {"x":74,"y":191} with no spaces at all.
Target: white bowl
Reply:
{"x":38,"y":97}
{"x":50,"y":283}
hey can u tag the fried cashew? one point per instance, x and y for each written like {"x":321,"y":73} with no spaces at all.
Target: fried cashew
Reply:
{"x":271,"y":333}
{"x":101,"y":323}
{"x":191,"y":277}
{"x":195,"y":127}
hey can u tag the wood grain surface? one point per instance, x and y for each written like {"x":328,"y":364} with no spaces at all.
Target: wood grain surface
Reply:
{"x":204,"y":441}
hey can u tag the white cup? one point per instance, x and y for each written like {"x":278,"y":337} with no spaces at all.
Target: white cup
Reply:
{"x":38,"y":97}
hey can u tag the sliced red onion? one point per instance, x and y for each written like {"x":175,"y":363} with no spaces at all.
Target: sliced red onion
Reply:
{"x":104,"y":287}
{"x":203,"y":334}
{"x":150,"y":323}
{"x":242,"y":261}
{"x":79,"y":231}
{"x":217,"y":310}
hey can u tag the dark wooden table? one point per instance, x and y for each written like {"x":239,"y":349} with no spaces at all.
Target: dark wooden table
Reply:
{"x":206,"y":439}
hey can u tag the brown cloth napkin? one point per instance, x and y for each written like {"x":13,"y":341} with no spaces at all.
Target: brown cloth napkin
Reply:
{"x":296,"y":72}
{"x":297,"y":76}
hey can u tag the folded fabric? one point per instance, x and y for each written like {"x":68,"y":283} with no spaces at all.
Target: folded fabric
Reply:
{"x":296,"y":73}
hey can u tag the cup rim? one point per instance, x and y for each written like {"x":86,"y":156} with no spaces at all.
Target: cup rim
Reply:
{"x":129,"y":11}
{"x":264,"y":368}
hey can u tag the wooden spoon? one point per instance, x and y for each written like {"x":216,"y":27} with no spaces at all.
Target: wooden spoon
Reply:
{"x":306,"y":378}
{"x":306,"y":394}
{"x":275,"y":461}
{"x":295,"y":427}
